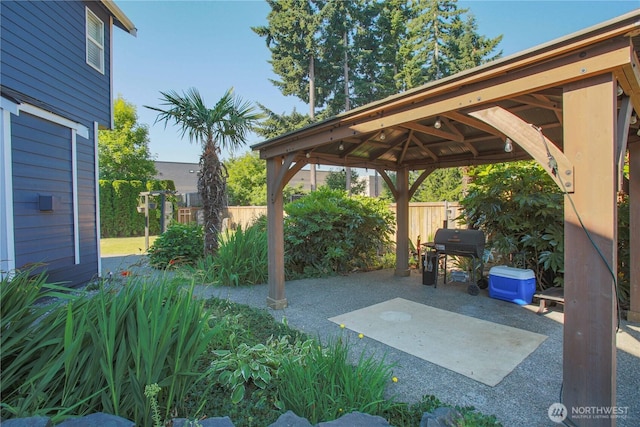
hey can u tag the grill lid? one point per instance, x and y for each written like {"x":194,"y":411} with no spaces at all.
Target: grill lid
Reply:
{"x":459,"y":241}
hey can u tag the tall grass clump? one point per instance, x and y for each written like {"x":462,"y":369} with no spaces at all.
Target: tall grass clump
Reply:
{"x":324,"y":385}
{"x":33,"y":322}
{"x":97,"y":353}
{"x":242,"y":257}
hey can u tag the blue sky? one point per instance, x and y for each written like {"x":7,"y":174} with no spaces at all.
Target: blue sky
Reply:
{"x":209,"y":45}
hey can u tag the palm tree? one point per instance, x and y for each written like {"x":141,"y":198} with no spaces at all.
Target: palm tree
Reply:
{"x":224,"y":126}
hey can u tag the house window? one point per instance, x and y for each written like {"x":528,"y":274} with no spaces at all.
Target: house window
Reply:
{"x":95,"y":41}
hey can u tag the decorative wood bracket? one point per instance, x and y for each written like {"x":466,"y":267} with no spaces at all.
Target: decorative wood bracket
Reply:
{"x":279,"y":181}
{"x":531,"y":139}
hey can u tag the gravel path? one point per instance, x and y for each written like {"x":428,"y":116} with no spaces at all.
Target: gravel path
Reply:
{"x":522,"y":398}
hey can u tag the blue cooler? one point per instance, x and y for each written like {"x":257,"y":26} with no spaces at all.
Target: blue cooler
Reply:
{"x":512,"y":284}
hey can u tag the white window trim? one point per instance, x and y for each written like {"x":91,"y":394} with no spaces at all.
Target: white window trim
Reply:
{"x":97,"y":178}
{"x":90,"y":40}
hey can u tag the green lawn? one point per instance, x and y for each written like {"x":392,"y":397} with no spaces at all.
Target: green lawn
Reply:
{"x":124,"y":245}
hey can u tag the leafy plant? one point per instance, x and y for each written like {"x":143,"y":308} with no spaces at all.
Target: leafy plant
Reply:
{"x":180,"y":244}
{"x":328,"y":232}
{"x":520,"y":210}
{"x":325,"y":385}
{"x":255,"y":365}
{"x":624,"y":252}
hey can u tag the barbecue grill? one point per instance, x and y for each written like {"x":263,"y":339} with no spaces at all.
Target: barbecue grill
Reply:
{"x":461,"y":243}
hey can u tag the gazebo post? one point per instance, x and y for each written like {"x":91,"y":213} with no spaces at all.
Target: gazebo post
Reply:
{"x":275,"y":235}
{"x":402,"y":222}
{"x":589,"y":357}
{"x":633,"y":315}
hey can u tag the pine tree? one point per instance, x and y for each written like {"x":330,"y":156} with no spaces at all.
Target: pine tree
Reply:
{"x":291,"y":36}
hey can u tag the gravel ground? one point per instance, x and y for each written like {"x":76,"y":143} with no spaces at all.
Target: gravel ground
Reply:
{"x":522,"y":398}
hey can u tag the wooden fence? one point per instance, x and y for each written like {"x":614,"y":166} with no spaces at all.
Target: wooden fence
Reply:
{"x":424,"y":218}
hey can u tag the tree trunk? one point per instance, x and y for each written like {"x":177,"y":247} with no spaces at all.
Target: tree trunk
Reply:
{"x":212,"y":188}
{"x":312,"y":114}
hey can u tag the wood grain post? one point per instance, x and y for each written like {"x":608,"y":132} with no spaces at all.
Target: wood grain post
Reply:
{"x":402,"y":223}
{"x":275,"y":235}
{"x":590,"y":319}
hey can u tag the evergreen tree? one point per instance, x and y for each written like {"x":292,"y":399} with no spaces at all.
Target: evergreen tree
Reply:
{"x":338,"y":181}
{"x":291,"y":36}
{"x":277,"y":124}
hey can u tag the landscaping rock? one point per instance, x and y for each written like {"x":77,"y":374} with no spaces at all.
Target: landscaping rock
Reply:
{"x":290,"y":419}
{"x":27,"y":422}
{"x":98,"y":419}
{"x":441,"y":417}
{"x":207,"y":422}
{"x":357,"y":419}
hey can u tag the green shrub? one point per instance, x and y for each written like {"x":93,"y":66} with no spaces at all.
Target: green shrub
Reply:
{"x":98,"y":353}
{"x":324,"y":385}
{"x":624,"y":253}
{"x":520,"y":210}
{"x":181,"y":244}
{"x":328,"y":232}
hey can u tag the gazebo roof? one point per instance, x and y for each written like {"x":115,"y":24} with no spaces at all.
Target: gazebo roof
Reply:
{"x":444,"y":123}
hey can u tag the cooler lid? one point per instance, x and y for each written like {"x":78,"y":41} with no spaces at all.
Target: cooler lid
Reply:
{"x":512,"y":272}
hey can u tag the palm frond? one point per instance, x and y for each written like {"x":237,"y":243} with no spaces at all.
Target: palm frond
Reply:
{"x":226,"y":125}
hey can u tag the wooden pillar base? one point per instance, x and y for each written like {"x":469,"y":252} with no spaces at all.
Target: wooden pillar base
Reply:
{"x":279,"y":304}
{"x":633,"y":316}
{"x":402,"y":272}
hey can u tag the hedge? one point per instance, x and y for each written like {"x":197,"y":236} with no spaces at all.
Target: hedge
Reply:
{"x":118,"y":202}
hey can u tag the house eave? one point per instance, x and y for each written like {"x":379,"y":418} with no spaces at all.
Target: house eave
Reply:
{"x":121,"y":20}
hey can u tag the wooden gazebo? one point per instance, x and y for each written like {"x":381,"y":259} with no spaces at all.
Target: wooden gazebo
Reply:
{"x":569,"y":104}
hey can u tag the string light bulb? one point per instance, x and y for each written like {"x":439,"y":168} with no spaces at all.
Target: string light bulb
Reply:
{"x":508,"y":145}
{"x":437,"y":124}
{"x":341,"y":147}
{"x":382,"y":136}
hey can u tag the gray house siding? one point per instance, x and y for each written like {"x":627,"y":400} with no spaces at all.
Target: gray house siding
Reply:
{"x":44,"y":57}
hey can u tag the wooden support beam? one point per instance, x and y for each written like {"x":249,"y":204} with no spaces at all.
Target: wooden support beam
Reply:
{"x":622,"y":132}
{"x":474,"y":123}
{"x":390,"y":183}
{"x":405,"y":148}
{"x":278,"y":183}
{"x":633,"y":315}
{"x":402,"y":223}
{"x":533,"y":142}
{"x":275,"y":234}
{"x":422,"y":147}
{"x":414,"y":187}
{"x":428,"y":130}
{"x":590,"y":242}
{"x":538,"y":102}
